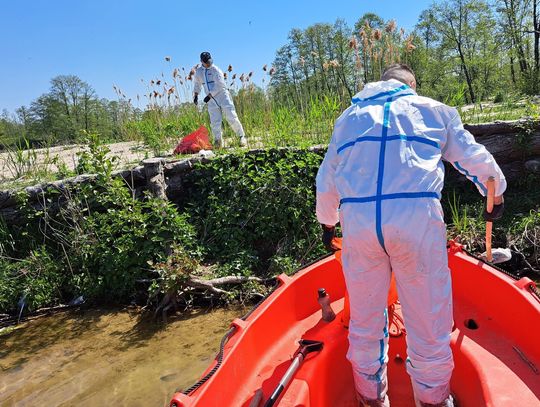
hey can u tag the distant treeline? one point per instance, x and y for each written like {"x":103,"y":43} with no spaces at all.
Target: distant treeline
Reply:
{"x":463,"y":51}
{"x":63,"y":114}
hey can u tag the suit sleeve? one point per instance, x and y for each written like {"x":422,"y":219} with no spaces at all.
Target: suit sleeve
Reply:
{"x":469,"y":157}
{"x":327,"y":196}
{"x":197,"y":87}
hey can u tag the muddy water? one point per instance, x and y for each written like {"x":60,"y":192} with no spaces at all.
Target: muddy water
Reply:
{"x":106,"y":358}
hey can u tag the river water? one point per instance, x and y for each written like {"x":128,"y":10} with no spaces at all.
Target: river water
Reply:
{"x":107,"y":358}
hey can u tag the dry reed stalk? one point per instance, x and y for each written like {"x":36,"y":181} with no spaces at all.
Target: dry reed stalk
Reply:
{"x":390,"y":27}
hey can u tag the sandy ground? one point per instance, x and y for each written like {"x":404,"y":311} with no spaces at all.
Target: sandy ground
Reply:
{"x":49,"y":159}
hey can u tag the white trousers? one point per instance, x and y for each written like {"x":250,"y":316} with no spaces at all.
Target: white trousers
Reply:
{"x":414,"y":238}
{"x":222,"y":105}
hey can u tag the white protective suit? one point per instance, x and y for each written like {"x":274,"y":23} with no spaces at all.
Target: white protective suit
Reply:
{"x":383,"y":171}
{"x":220,"y":103}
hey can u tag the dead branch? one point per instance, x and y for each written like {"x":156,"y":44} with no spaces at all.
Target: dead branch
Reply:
{"x":198,"y":286}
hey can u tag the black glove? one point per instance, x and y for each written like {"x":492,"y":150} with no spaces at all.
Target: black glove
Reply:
{"x":329,"y":232}
{"x":207,"y":99}
{"x":196,"y":99}
{"x":495,"y":214}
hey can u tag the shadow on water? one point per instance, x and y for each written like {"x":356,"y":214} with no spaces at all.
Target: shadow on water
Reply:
{"x":146,"y":326}
{"x":59,"y":328}
{"x":107,"y":357}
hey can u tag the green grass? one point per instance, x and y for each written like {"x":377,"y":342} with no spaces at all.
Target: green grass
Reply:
{"x":267,"y":124}
{"x":511,"y":109}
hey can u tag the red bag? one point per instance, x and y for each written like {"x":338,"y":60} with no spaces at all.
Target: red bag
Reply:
{"x":194,"y":142}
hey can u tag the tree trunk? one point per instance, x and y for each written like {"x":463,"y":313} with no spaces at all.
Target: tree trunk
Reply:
{"x":467,"y":75}
{"x":536,"y":25}
{"x":512,"y":71}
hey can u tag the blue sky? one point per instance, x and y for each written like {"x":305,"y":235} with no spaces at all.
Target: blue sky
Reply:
{"x":120,"y":41}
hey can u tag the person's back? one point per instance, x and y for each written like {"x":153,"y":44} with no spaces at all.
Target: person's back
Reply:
{"x":384,"y":172}
{"x":391,"y":142}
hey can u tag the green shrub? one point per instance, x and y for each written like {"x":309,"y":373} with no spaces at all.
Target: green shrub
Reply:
{"x":94,"y":160}
{"x":499,"y":97}
{"x":10,"y":286}
{"x":38,"y":278}
{"x":249,"y":207}
{"x":114,"y":244}
{"x":101,"y":239}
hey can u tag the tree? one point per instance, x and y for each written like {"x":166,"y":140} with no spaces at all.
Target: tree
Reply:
{"x":315,"y":62}
{"x":70,"y":107}
{"x":467,"y":33}
{"x":329,"y":59}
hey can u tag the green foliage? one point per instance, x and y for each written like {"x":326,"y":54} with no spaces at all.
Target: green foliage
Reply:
{"x":37,"y":278}
{"x":528,"y":126}
{"x":10,"y":289}
{"x":58,"y":116}
{"x":460,"y":221}
{"x":287,"y":264}
{"x":499,"y":97}
{"x":114,"y":245}
{"x":20,"y":159}
{"x":162,"y":127}
{"x":240,"y":214}
{"x":249,"y":214}
{"x":97,"y":245}
{"x":94,"y":160}
{"x":173,"y":272}
{"x":249,"y":209}
{"x":7,"y":243}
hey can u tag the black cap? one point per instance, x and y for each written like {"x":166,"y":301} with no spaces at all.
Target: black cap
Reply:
{"x":206,"y":57}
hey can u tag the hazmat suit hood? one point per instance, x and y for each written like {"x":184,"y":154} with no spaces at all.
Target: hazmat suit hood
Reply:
{"x":382,"y":90}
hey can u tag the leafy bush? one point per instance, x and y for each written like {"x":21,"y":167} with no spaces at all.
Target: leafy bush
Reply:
{"x":173,"y":272}
{"x":239,"y":214}
{"x":248,"y":208}
{"x":113,"y":246}
{"x":37,"y":279}
{"x":95,"y":160}
{"x":9,"y":286}
{"x":98,"y":244}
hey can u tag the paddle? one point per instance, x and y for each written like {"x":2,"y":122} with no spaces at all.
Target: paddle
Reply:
{"x":306,"y":346}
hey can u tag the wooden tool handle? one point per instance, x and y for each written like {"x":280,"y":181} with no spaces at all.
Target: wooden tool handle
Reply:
{"x":490,"y":194}
{"x":489,"y":209}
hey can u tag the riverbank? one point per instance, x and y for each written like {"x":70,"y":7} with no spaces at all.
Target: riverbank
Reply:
{"x":215,"y":234}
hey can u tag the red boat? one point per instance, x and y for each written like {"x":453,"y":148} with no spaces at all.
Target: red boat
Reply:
{"x":494,"y":342}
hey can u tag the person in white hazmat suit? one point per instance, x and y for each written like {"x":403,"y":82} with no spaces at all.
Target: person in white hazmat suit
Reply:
{"x":218,"y":98}
{"x":382,"y":178}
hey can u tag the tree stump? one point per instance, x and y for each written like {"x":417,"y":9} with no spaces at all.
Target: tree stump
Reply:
{"x":155,"y":178}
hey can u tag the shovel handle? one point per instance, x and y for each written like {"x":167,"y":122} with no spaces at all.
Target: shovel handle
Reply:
{"x":489,"y":209}
{"x":306,"y":346}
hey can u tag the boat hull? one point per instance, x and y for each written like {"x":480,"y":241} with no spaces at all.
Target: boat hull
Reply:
{"x":496,"y":325}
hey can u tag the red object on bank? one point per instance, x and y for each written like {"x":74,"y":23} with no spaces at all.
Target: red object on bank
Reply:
{"x":194,"y":142}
